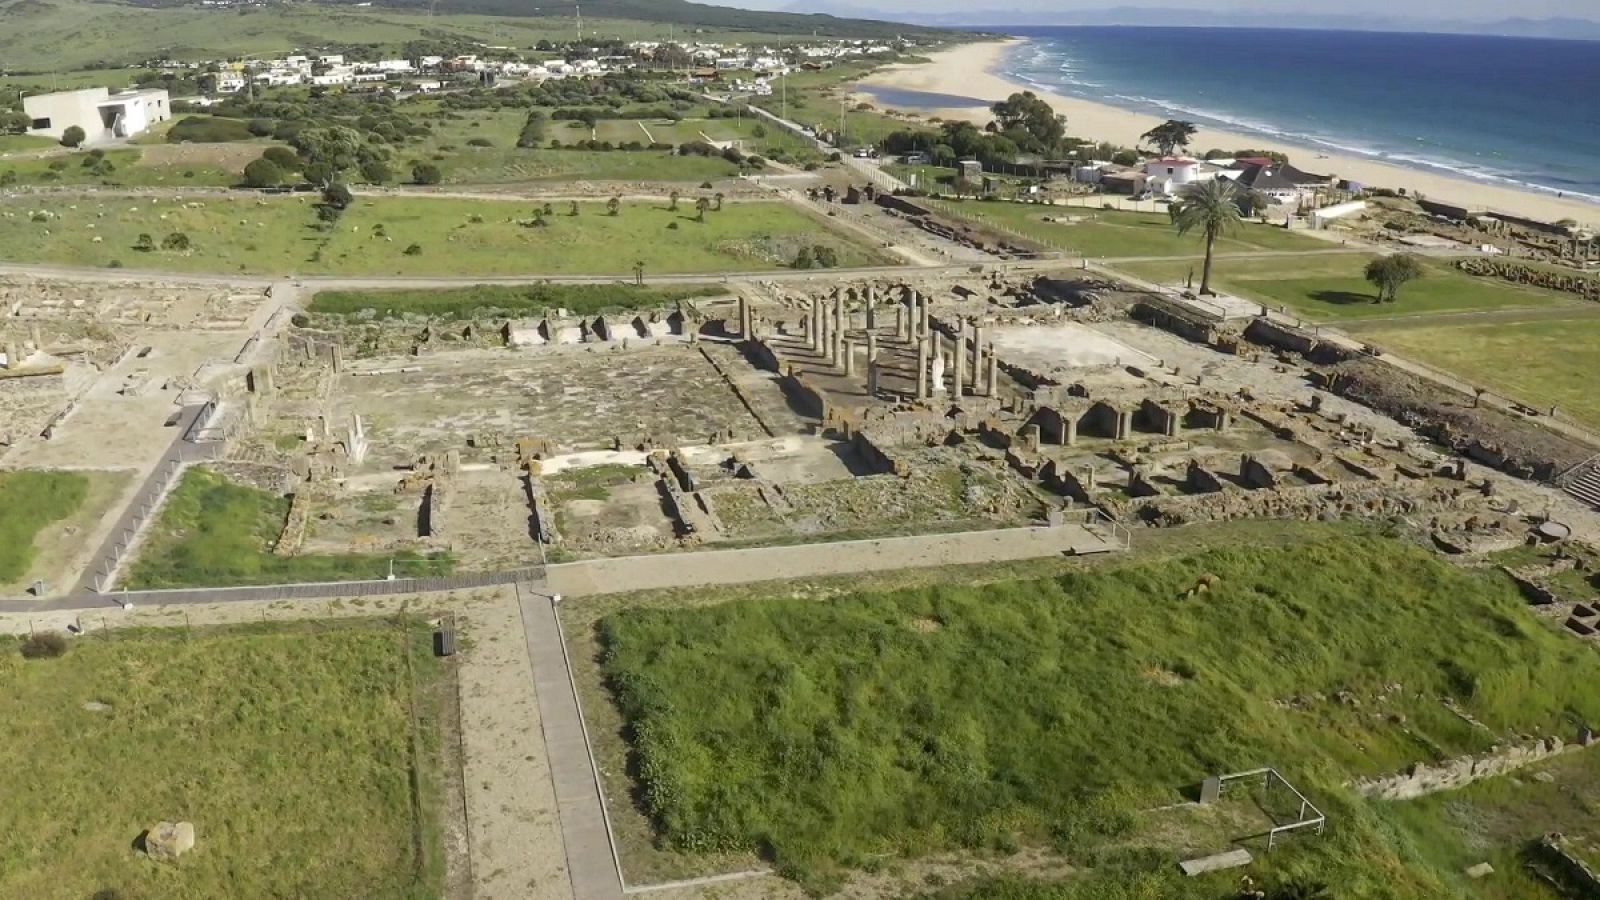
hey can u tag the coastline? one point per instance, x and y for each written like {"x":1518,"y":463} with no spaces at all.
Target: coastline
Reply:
{"x":973,"y":70}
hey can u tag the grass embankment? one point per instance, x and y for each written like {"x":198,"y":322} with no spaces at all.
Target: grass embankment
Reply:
{"x":290,"y":748}
{"x":451,"y":236}
{"x":503,"y":300}
{"x":213,"y":532}
{"x":1048,"y":711}
{"x":1331,"y":288}
{"x":1543,"y":360}
{"x":30,"y":501}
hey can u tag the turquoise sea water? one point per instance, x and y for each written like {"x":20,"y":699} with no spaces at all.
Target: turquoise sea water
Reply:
{"x":1513,"y":111}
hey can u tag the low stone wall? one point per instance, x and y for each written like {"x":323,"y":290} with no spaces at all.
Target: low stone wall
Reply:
{"x":1587,"y":286}
{"x":1422,"y":778}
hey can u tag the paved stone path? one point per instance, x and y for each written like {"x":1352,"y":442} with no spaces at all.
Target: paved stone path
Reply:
{"x":583,"y":824}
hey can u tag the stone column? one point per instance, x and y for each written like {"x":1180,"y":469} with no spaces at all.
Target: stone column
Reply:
{"x":978,"y":335}
{"x":899,"y":322}
{"x":994,"y":374}
{"x":1030,"y":438}
{"x":1124,"y":424}
{"x":744,"y":318}
{"x":872,"y":308}
{"x":840,"y":326}
{"x":872,"y":376}
{"x":849,"y":359}
{"x":813,"y":327}
{"x":922,"y":370}
{"x":960,"y":381}
{"x":925,"y":319}
{"x":1069,"y":431}
{"x":872,"y":346}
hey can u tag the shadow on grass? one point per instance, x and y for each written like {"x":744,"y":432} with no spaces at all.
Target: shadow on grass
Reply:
{"x":1342,"y":298}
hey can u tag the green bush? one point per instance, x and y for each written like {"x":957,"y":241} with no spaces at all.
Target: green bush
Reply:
{"x":44,"y":645}
{"x":209,"y":130}
{"x":426,"y":173}
{"x":262,"y":173}
{"x":73,"y":137}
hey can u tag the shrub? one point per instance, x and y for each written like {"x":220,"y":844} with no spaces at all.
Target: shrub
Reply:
{"x":73,"y":137}
{"x":176,"y":241}
{"x":44,"y":645}
{"x":282,"y":157}
{"x":376,"y":171}
{"x":262,"y":173}
{"x":413,"y":250}
{"x":262,"y":127}
{"x":144,"y":243}
{"x":209,"y":130}
{"x":337,"y":196}
{"x":479,"y":142}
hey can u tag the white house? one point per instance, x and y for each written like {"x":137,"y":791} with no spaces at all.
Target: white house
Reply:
{"x":102,"y":115}
{"x":1172,"y":174}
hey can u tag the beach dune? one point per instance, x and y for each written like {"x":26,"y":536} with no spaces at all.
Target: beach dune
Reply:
{"x":972,"y":70}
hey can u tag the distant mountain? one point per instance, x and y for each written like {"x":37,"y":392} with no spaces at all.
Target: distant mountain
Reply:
{"x":1569,"y":28}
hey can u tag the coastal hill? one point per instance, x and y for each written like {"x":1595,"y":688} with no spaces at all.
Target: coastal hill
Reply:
{"x":43,"y":36}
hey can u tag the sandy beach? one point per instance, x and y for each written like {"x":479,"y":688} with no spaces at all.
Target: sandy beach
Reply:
{"x":969,"y":71}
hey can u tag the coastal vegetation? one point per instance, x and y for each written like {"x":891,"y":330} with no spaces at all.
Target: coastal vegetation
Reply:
{"x":214,"y":532}
{"x":837,"y":732}
{"x":1170,"y":136}
{"x":306,"y":756}
{"x":1391,"y":273}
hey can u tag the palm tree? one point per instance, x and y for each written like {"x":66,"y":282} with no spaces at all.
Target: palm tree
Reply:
{"x":613,"y":206}
{"x":700,"y":207}
{"x":1212,"y":207}
{"x":719,"y":201}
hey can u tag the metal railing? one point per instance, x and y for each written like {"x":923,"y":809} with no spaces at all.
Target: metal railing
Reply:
{"x":1308,"y":816}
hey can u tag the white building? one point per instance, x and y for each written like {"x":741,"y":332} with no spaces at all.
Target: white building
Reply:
{"x":1171,"y":175}
{"x":102,"y":115}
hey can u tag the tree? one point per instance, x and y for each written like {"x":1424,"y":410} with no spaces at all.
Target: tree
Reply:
{"x":532,"y":130}
{"x":673,"y":205}
{"x":1390,"y":273}
{"x":283,"y":158}
{"x":719,"y":198}
{"x":337,"y":196}
{"x":329,"y":152}
{"x":144,"y":243}
{"x":1211,"y":207}
{"x":1026,"y":113}
{"x":804,"y":259}
{"x":700,"y":207}
{"x":375,"y":171}
{"x":1171,"y":135}
{"x":262,"y":173}
{"x":574,"y":210}
{"x":73,"y":136}
{"x":426,"y":173}
{"x":613,"y":206}
{"x":176,"y":241}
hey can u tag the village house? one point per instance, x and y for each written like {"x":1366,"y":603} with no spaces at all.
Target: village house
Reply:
{"x":102,"y":115}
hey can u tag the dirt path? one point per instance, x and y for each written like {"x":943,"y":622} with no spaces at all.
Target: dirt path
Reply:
{"x":515,"y":833}
{"x":639,"y":573}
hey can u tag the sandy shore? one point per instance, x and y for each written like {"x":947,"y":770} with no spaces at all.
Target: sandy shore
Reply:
{"x":970,"y":71}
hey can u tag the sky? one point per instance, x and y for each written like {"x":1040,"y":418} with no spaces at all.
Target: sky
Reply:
{"x":1452,"y":10}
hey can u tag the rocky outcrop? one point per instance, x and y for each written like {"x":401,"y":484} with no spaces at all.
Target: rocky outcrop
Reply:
{"x":169,"y":840}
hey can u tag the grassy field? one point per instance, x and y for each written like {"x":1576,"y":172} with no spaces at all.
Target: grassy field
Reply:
{"x":21,"y":143}
{"x":1109,"y":234}
{"x":1543,"y":360}
{"x":213,"y":532}
{"x":31,"y":501}
{"x":1047,"y":711}
{"x":813,"y":99}
{"x":453,"y":236}
{"x":127,"y":168}
{"x":1330,"y":287}
{"x":504,"y":300}
{"x":290,"y":748}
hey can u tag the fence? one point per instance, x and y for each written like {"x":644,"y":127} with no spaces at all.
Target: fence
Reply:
{"x":326,"y":589}
{"x":1306,"y":816}
{"x":133,"y":520}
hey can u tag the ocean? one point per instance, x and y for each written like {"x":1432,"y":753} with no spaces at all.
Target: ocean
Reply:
{"x":1518,"y":112}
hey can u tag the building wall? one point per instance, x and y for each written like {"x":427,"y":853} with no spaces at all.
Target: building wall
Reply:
{"x":53,"y":114}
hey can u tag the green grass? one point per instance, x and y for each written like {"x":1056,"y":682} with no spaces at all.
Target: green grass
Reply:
{"x":278,"y":236}
{"x":1330,"y":287}
{"x":504,"y":300}
{"x":29,"y":501}
{"x":70,"y":169}
{"x":1109,"y":234}
{"x":20,"y":143}
{"x":1544,"y":361}
{"x":837,"y":731}
{"x":213,"y":532}
{"x":290,"y":748}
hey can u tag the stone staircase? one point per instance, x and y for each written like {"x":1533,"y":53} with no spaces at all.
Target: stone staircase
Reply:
{"x":1582,"y":482}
